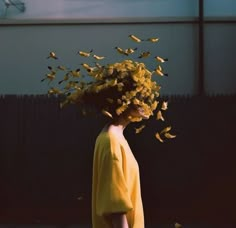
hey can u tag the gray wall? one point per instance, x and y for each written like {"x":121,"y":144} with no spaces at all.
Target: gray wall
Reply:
{"x":220,"y":58}
{"x":24,"y":45}
{"x":24,"y":50}
{"x":49,"y":9}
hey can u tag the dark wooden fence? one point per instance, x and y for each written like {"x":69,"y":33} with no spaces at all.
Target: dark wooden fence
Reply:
{"x":46,"y":161}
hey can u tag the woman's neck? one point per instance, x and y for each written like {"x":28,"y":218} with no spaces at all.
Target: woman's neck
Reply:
{"x":118,"y":125}
{"x":120,"y":122}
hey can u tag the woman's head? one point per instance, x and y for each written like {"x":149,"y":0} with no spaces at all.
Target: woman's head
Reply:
{"x":116,"y":88}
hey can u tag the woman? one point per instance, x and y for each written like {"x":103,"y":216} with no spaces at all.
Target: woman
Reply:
{"x":125,"y":92}
{"x":116,"y":195}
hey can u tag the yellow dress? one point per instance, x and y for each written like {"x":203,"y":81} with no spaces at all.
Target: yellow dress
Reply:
{"x":116,"y":182}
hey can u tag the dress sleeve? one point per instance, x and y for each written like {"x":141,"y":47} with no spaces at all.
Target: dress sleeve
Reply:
{"x":112,"y":191}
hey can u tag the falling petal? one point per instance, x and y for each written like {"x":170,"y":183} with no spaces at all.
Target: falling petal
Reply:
{"x":169,"y":136}
{"x":130,"y":50}
{"x":121,"y":51}
{"x":138,"y":130}
{"x":106,"y":113}
{"x":164,"y":105}
{"x":98,"y":57}
{"x":159,"y":116}
{"x":158,"y":58}
{"x":144,"y":54}
{"x":153,"y":39}
{"x":159,"y":72}
{"x":52,"y":55}
{"x":54,"y":91}
{"x":86,"y":66}
{"x":66,"y":77}
{"x":61,"y":67}
{"x":154,"y":104}
{"x":157,"y":135}
{"x":165,"y":130}
{"x":84,"y":54}
{"x":135,"y":38}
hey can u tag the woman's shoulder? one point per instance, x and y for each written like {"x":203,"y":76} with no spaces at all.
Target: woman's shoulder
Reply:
{"x":108,"y":143}
{"x":107,"y":137}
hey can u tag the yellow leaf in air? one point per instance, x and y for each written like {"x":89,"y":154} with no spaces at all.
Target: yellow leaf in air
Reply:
{"x":159,"y":72}
{"x":157,"y":135}
{"x":159,"y":116}
{"x":106,"y":113}
{"x":138,"y":130}
{"x":164,"y":105}
{"x":54,"y":91}
{"x":165,"y":130}
{"x":154,"y":104}
{"x":169,"y":136}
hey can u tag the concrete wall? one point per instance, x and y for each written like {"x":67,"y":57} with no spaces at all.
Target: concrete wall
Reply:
{"x":24,"y":45}
{"x":101,"y":8}
{"x":24,"y":50}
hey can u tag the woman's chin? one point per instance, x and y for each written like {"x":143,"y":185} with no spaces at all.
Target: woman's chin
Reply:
{"x":144,"y":116}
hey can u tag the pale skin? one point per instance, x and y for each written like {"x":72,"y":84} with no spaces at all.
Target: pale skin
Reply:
{"x":117,"y":126}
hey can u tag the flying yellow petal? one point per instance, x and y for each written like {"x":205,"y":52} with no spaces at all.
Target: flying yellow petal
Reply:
{"x":144,"y":54}
{"x":121,"y":51}
{"x":169,"y":136}
{"x":106,"y":113}
{"x":135,"y":38}
{"x":153,"y":39}
{"x":61,"y":68}
{"x":158,"y":58}
{"x":154,"y":104}
{"x":164,"y":105}
{"x":52,"y":55}
{"x":158,"y":72}
{"x":138,"y":130}
{"x":157,"y":135}
{"x":135,"y":119}
{"x":98,"y":57}
{"x":84,"y":54}
{"x":130,"y":50}
{"x":165,"y":130}
{"x":159,"y":116}
{"x":54,"y":90}
{"x":86,"y":66}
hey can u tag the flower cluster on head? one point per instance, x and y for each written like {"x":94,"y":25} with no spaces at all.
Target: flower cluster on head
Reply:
{"x":112,"y":87}
{"x":119,"y":85}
